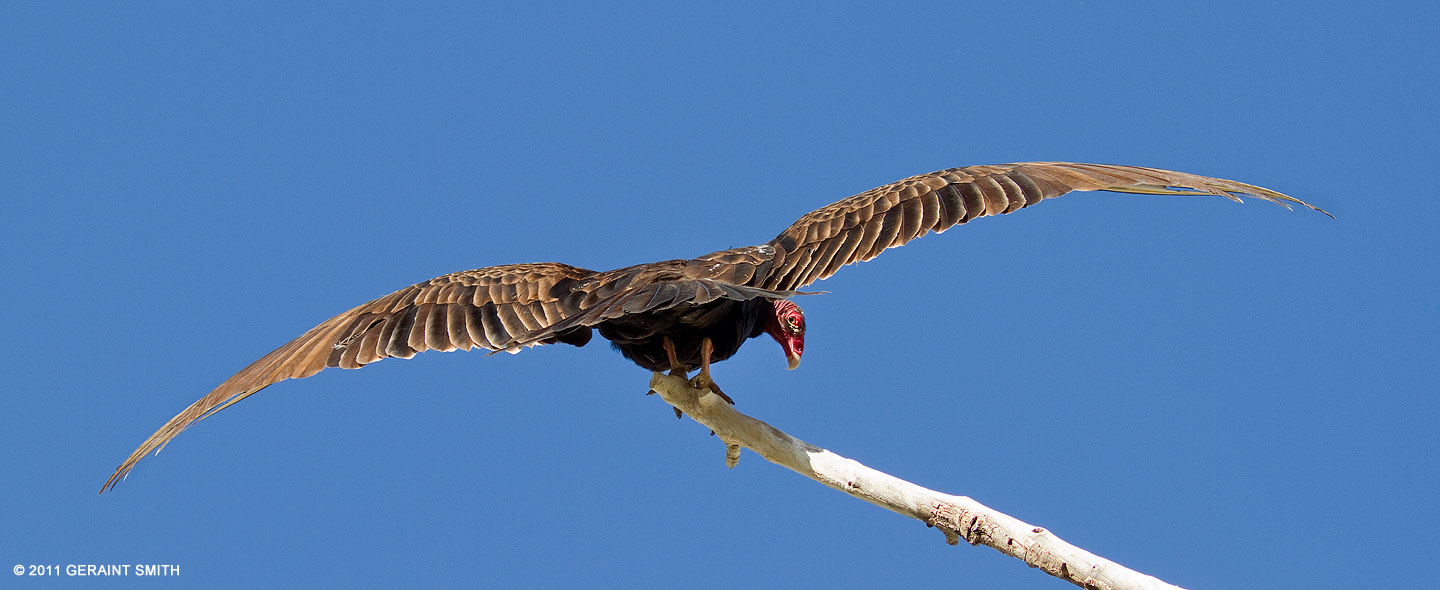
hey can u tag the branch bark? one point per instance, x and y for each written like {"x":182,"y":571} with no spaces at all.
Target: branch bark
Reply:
{"x":958,"y":517}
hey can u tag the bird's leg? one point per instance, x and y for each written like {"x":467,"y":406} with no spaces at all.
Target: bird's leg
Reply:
{"x":676,"y":369}
{"x":702,"y":379}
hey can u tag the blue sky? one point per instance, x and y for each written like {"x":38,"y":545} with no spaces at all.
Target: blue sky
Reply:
{"x":1223,"y":396}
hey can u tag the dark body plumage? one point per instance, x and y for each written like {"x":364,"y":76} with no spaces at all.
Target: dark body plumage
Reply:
{"x":724,"y":296}
{"x":727,"y":323}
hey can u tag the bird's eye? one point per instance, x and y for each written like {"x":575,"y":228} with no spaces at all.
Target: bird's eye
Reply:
{"x":794,"y":324}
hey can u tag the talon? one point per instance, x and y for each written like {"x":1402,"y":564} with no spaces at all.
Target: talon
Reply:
{"x":678,"y":413}
{"x":703,"y":381}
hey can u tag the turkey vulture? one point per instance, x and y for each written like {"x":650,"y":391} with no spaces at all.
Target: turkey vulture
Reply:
{"x":676,"y":315}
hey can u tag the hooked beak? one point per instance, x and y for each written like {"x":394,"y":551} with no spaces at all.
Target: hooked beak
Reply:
{"x":793,"y":346}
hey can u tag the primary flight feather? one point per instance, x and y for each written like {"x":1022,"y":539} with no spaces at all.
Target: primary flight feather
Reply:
{"x":676,"y":315}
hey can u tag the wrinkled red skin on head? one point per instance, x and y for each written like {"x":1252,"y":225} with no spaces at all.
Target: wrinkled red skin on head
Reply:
{"x":786,"y":324}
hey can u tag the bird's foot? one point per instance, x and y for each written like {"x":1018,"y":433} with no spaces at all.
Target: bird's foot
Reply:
{"x":703,"y":381}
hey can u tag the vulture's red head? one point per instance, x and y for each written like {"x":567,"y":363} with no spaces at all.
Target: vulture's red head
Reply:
{"x":786,"y":324}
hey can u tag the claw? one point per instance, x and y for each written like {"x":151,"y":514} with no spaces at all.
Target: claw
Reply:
{"x":703,"y":381}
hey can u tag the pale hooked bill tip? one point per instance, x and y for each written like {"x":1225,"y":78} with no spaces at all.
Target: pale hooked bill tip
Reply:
{"x":794,"y":362}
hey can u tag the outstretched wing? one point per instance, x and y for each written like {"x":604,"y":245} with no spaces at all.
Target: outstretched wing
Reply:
{"x":861,"y":227}
{"x":484,"y":308}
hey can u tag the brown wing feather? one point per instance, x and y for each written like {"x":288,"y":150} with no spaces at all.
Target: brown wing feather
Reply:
{"x":482,"y":308}
{"x":861,"y":227}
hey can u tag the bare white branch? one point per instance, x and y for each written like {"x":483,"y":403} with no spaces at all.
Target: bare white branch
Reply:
{"x":958,"y":517}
